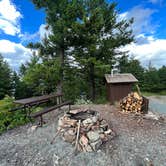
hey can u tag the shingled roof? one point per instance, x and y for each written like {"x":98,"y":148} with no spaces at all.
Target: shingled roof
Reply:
{"x":120,"y":78}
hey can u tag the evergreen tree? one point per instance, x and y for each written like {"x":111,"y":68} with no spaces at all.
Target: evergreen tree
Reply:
{"x":98,"y":35}
{"x":5,"y":78}
{"x":61,"y":16}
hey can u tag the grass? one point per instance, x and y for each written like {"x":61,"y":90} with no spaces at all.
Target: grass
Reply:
{"x":162,"y":93}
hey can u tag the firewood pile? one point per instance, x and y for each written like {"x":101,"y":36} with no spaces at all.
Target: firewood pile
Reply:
{"x":133,"y":102}
{"x":85,"y":129}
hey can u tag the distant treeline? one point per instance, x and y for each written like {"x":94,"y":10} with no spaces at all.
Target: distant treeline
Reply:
{"x":35,"y":78}
{"x":80,"y":47}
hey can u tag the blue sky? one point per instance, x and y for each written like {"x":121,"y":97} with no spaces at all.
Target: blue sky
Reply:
{"x":21,"y":23}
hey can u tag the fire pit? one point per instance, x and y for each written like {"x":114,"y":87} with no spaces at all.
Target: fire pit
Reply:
{"x":85,"y":128}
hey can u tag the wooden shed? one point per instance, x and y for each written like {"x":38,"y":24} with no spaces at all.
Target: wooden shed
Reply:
{"x":118,"y":86}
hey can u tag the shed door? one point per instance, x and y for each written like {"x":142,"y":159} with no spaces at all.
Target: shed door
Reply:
{"x":118,"y":91}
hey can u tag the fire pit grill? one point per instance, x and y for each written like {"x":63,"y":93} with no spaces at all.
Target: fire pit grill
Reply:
{"x":85,"y":128}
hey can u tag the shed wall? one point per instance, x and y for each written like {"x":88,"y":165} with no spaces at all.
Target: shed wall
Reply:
{"x":118,"y":91}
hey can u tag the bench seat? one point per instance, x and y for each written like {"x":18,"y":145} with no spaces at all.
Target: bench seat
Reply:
{"x":49,"y":109}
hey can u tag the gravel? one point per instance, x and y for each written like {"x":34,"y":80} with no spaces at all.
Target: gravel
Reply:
{"x":138,"y":141}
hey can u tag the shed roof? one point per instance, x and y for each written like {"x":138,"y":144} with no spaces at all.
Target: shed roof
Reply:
{"x":120,"y":78}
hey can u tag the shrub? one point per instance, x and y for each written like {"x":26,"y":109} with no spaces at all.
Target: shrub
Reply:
{"x":9,"y":119}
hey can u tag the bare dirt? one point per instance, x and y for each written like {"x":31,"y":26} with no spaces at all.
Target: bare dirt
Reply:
{"x":138,"y":142}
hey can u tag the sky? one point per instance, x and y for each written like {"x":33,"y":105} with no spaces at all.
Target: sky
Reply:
{"x":21,"y":23}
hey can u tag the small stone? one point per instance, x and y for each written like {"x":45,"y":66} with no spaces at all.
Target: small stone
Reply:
{"x":109,"y":131}
{"x":94,"y":119}
{"x":151,"y":115}
{"x":96,"y":127}
{"x":69,"y":136}
{"x":102,"y":136}
{"x":71,"y":131}
{"x":88,"y":148}
{"x":93,"y":136}
{"x":87,"y":121}
{"x":95,"y":145}
{"x":56,"y":159}
{"x":32,"y":129}
{"x":84,"y":140}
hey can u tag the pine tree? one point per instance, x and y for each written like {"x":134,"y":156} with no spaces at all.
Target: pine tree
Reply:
{"x":98,"y":35}
{"x":5,"y":78}
{"x":61,"y":16}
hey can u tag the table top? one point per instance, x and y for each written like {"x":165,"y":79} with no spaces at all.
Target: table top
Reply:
{"x":36,"y":99}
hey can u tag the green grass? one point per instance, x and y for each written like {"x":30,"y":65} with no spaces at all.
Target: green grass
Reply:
{"x":162,"y":93}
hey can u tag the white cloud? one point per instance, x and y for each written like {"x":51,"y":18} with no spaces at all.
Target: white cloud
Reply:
{"x":39,"y":35}
{"x":9,"y":18}
{"x":14,"y":53}
{"x":44,"y":31}
{"x":153,"y":50}
{"x":146,"y":48}
{"x":29,"y":37}
{"x":142,"y":19}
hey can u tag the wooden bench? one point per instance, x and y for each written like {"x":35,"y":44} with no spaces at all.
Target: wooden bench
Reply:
{"x":49,"y":109}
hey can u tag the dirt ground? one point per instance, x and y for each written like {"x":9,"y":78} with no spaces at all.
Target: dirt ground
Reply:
{"x":138,"y":142}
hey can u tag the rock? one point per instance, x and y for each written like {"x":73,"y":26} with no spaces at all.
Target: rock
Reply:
{"x":151,"y":115}
{"x":95,"y":145}
{"x":84,"y":140}
{"x":109,"y":131}
{"x":56,"y":159}
{"x":71,"y":131}
{"x":87,"y":121}
{"x":95,"y":127}
{"x":32,"y":129}
{"x":94,"y":119}
{"x":102,"y":136}
{"x":88,"y":148}
{"x":66,"y":122}
{"x":104,"y":124}
{"x":93,"y":136}
{"x":69,"y":135}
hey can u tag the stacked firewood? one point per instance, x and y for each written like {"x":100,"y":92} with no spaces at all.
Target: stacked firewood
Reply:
{"x":132,"y":103}
{"x":85,"y":129}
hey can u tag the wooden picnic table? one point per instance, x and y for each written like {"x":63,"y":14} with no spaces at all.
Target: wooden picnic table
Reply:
{"x":38,"y":99}
{"x":28,"y":103}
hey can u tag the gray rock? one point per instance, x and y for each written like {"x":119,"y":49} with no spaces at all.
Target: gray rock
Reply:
{"x":95,"y":145}
{"x":93,"y":136}
{"x":87,"y":121}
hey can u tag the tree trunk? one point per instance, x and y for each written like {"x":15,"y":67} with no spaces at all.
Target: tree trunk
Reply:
{"x":60,"y":84}
{"x":92,"y":82}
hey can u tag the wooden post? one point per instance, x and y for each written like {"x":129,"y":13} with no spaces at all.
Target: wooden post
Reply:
{"x":69,"y":107}
{"x":41,"y":121}
{"x":78,"y":133}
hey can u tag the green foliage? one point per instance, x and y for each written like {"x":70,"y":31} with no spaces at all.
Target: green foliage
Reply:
{"x":9,"y":120}
{"x":83,"y":101}
{"x":5,"y":78}
{"x":92,"y":29}
{"x":99,"y":34}
{"x":150,"y":80}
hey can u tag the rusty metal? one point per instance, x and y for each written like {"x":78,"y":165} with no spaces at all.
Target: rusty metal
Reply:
{"x":145,"y":105}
